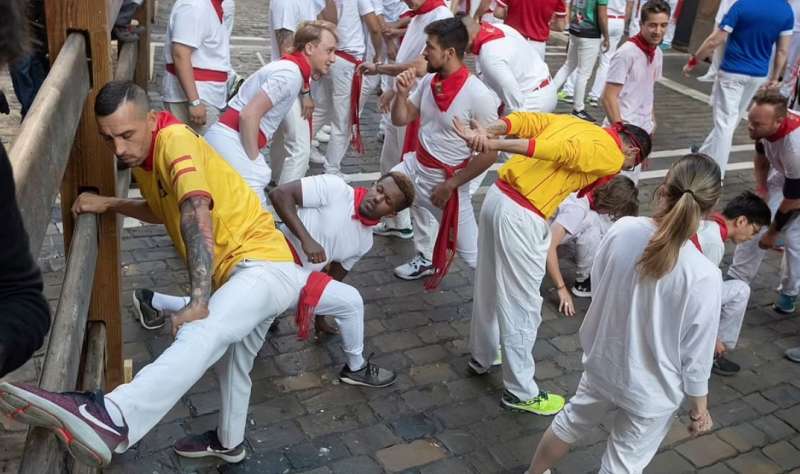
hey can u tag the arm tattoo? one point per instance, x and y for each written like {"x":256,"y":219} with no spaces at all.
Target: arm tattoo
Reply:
{"x":497,"y":128}
{"x":199,"y":240}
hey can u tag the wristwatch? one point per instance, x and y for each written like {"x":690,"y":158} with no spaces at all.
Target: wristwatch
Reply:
{"x":194,"y":103}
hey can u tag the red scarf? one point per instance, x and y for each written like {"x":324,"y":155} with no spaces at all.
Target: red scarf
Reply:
{"x":361,"y":193}
{"x":486,"y":33}
{"x":217,"y":4}
{"x":305,"y":67}
{"x":648,"y":49}
{"x":355,"y":97}
{"x":428,"y":6}
{"x":165,"y":119}
{"x":446,"y":89}
{"x":589,"y":189}
{"x":790,"y":123}
{"x":723,"y":230}
{"x":618,"y":129}
{"x":309,"y":297}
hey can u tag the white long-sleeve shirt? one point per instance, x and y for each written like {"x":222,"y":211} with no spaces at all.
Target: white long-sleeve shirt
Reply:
{"x":647,"y":343}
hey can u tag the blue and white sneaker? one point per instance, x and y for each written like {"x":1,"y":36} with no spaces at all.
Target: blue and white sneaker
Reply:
{"x":785,"y":304}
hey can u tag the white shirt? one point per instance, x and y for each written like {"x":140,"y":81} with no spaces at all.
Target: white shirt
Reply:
{"x":392,"y":9}
{"x":349,"y":28}
{"x":287,"y":15}
{"x":795,"y":4}
{"x":630,"y":68}
{"x":711,"y":243}
{"x":574,"y":214}
{"x":195,"y":23}
{"x":436,"y":133}
{"x":282,"y":81}
{"x":414,"y":40}
{"x":511,"y":68}
{"x":327,"y":214}
{"x":617,"y":7}
{"x":784,"y":154}
{"x":648,"y":342}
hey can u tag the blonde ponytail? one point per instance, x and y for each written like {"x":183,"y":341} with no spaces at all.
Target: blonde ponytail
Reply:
{"x":690,"y":189}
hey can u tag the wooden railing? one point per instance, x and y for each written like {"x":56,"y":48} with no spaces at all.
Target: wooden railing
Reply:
{"x":58,"y":148}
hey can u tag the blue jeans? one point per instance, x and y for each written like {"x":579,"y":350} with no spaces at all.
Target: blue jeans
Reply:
{"x":27,"y":75}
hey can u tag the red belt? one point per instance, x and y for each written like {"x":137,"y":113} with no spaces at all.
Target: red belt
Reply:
{"x":542,"y":84}
{"x":200,"y":74}
{"x":355,"y":97}
{"x":309,"y":296}
{"x":231,"y":119}
{"x":517,"y":197}
{"x":616,"y":17}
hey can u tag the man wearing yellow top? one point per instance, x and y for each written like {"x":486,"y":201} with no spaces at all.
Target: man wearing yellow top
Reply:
{"x":231,"y":247}
{"x":553,"y":156}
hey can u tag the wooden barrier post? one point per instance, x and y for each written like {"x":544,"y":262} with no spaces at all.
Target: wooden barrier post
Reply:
{"x":91,"y":165}
{"x":143,"y":16}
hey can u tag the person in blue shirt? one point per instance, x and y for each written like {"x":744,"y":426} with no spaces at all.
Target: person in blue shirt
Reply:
{"x":751,"y":28}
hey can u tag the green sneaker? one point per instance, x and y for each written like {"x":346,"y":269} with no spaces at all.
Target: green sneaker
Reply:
{"x":564,"y":97}
{"x":544,"y":403}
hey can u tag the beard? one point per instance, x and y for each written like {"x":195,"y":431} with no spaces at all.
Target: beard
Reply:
{"x":433,"y":70}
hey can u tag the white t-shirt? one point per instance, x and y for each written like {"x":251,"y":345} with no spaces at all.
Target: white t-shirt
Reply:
{"x":327,"y":214}
{"x":282,"y":81}
{"x":350,"y":28}
{"x":795,"y":4}
{"x":287,"y":15}
{"x":617,"y":7}
{"x":711,"y":243}
{"x":784,"y":153}
{"x":511,"y":68}
{"x":648,"y":342}
{"x":574,"y":214}
{"x":630,"y":68}
{"x":414,"y":40}
{"x":195,"y":23}
{"x":392,"y":9}
{"x":436,"y":134}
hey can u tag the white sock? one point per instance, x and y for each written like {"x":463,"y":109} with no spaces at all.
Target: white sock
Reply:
{"x":164,"y":302}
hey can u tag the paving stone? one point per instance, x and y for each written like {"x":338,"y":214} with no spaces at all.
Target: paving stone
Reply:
{"x":719,"y":468}
{"x":753,"y":462}
{"x":677,"y":433}
{"x":357,"y":464}
{"x":334,"y":396}
{"x":669,"y":462}
{"x":437,"y":333}
{"x":406,"y":320}
{"x":389,"y":407}
{"x":260,"y":463}
{"x":774,"y":428}
{"x":405,"y":456}
{"x":457,"y":415}
{"x":783,"y":395}
{"x":743,"y":437}
{"x":783,"y":454}
{"x":581,"y":461}
{"x":427,"y":354}
{"x":370,"y":439}
{"x":427,"y":397}
{"x":303,"y":381}
{"x":276,"y":436}
{"x":458,"y":442}
{"x":336,"y":420}
{"x":706,"y":450}
{"x":567,"y":343}
{"x":760,"y":404}
{"x":733,"y":412}
{"x":395,"y":341}
{"x":515,"y":453}
{"x":295,"y":363}
{"x":446,"y":466}
{"x":467,"y":388}
{"x":316,"y":453}
{"x":275,"y":410}
{"x":413,"y":427}
{"x":791,"y":416}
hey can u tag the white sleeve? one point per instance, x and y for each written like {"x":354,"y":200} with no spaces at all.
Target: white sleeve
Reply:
{"x":416,"y":96}
{"x":349,"y":263}
{"x":571,"y":213}
{"x":699,"y":334}
{"x":322,"y":190}
{"x":282,"y":84}
{"x":618,"y":67}
{"x":790,"y":157}
{"x":498,"y":75}
{"x":283,"y":16}
{"x":187,"y":25}
{"x":485,"y":104}
{"x":365,"y":7}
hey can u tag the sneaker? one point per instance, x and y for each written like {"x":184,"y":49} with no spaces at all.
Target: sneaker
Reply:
{"x":785,"y":304}
{"x":544,"y":404}
{"x":584,"y":115}
{"x":793,"y":354}
{"x":415,"y":269}
{"x":207,"y":445}
{"x":475,"y":368}
{"x":594,"y":101}
{"x":369,"y":376}
{"x":314,"y":143}
{"x":724,"y":367}
{"x":79,"y":419}
{"x":583,"y":288}
{"x":316,"y":156}
{"x":127,"y":34}
{"x":385,"y":231}
{"x":694,"y":148}
{"x":707,"y":77}
{"x":665,"y":46}
{"x":149,"y":317}
{"x":564,"y":97}
{"x":326,"y":129}
{"x":322,"y":137}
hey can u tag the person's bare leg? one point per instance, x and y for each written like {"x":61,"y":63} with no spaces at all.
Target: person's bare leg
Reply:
{"x":550,"y":450}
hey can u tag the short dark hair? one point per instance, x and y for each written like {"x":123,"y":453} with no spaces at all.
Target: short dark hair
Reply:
{"x":654,"y":7}
{"x":638,"y":137}
{"x":14,"y":31}
{"x":406,"y":187}
{"x":749,"y":205}
{"x":450,"y":33}
{"x":115,"y":93}
{"x":774,"y":98}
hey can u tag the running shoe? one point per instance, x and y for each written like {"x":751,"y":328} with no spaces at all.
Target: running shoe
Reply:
{"x":584,"y":115}
{"x":207,"y":445}
{"x":544,"y":404}
{"x":385,"y":231}
{"x":725,"y":367}
{"x":414,"y":269}
{"x":369,"y":376}
{"x":785,"y":304}
{"x":583,"y":288}
{"x":564,"y":97}
{"x":793,"y":354}
{"x":149,"y":317}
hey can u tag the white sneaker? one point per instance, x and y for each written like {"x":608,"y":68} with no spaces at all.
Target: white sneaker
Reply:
{"x":316,"y":156}
{"x":707,"y":77}
{"x":323,"y":137}
{"x":315,"y":143}
{"x":385,"y":231}
{"x":415,"y":269}
{"x":326,"y":129}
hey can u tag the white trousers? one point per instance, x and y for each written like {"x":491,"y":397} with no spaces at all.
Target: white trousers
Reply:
{"x":543,"y":100}
{"x":332,"y":105}
{"x":633,"y":440}
{"x":586,"y":244}
{"x":539,"y":46}
{"x":181,"y":112}
{"x":747,"y":256}
{"x":735,"y":295}
{"x":507,"y":306}
{"x":790,"y":74}
{"x":391,"y":154}
{"x":731,"y":96}
{"x":616,"y":27}
{"x":256,"y":173}
{"x":240,"y":313}
{"x":291,"y":146}
{"x":673,"y":23}
{"x":581,"y":56}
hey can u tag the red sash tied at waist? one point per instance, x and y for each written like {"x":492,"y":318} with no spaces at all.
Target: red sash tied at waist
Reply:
{"x":309,"y":297}
{"x":200,"y":74}
{"x":355,"y":98}
{"x":231,"y":119}
{"x":445,"y":247}
{"x":517,"y":197}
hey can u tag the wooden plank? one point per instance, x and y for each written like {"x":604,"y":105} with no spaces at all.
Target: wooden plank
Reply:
{"x":126,"y":62}
{"x":92,"y":377}
{"x":144,"y":16}
{"x":112,"y":10}
{"x":60,"y":370}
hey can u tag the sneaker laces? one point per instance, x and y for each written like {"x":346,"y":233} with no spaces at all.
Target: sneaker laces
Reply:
{"x":372,"y":369}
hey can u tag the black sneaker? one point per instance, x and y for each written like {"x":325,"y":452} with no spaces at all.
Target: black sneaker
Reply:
{"x":583,"y":288}
{"x":724,"y":367}
{"x":369,"y":376}
{"x":207,"y":445}
{"x":694,"y":148}
{"x":584,"y":115}
{"x":149,"y":317}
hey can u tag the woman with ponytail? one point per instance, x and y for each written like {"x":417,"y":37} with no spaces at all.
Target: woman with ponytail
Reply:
{"x":648,"y":336}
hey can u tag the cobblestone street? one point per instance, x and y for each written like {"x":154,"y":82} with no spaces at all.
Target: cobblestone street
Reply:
{"x":437,"y":418}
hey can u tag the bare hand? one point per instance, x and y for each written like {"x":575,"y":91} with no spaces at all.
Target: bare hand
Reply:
{"x":771,"y":84}
{"x":314,"y":251}
{"x":90,"y":202}
{"x":405,"y":81}
{"x":197,"y":114}
{"x":703,"y":424}
{"x":308,"y":106}
{"x":385,"y":101}
{"x":687,"y":69}
{"x":186,"y":315}
{"x":719,"y":348}
{"x":762,"y":192}
{"x":475,"y":136}
{"x":565,"y":304}
{"x":441,"y":193}
{"x":368,"y":69}
{"x":605,"y":45}
{"x":768,"y":240}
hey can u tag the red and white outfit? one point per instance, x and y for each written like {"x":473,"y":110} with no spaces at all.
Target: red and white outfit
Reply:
{"x":532,"y":19}
{"x":198,"y":24}
{"x":792,"y":71}
{"x":646,"y":344}
{"x":439,"y":154}
{"x":585,"y":229}
{"x":518,"y":76}
{"x":281,"y":81}
{"x":371,"y":85}
{"x":783,"y":152}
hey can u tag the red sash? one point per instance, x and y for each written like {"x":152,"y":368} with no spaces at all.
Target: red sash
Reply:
{"x":360,"y":194}
{"x":231,"y":119}
{"x":164,"y":119}
{"x":485,"y":34}
{"x":648,"y":49}
{"x":200,"y":74}
{"x":355,"y":97}
{"x":600,"y":182}
{"x":411,"y":139}
{"x":217,"y":4}
{"x":309,"y":297}
{"x":517,"y":197}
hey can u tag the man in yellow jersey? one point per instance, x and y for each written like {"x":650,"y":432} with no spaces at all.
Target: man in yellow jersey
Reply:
{"x":553,"y":156}
{"x":231,"y":247}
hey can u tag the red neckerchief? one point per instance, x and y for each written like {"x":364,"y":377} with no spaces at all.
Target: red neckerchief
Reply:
{"x":588,"y":190}
{"x":165,"y":119}
{"x":648,"y":49}
{"x":360,"y":194}
{"x":428,"y":6}
{"x":790,"y":123}
{"x":217,"y":4}
{"x":723,"y":226}
{"x":305,"y":67}
{"x":446,"y":89}
{"x":486,"y":33}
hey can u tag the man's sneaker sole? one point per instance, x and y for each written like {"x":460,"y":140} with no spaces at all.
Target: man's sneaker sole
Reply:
{"x":423,"y":274}
{"x":514,"y":407}
{"x":138,"y":308}
{"x":476,"y":369}
{"x":349,"y":381}
{"x":724,"y":373}
{"x":212,"y":454}
{"x":581,"y":294}
{"x":82,"y":442}
{"x":395,"y":233}
{"x":780,"y":310}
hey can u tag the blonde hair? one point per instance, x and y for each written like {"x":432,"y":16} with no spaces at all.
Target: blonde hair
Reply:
{"x":690,"y":189}
{"x":311,"y":32}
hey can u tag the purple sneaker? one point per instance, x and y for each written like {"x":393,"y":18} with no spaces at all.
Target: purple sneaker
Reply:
{"x":208,"y":445}
{"x":78,"y":419}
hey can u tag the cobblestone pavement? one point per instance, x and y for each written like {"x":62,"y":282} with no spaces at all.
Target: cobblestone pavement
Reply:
{"x":436,"y":419}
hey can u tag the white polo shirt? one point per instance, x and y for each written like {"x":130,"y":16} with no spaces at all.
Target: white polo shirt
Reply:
{"x":511,"y":68}
{"x":350,"y":28}
{"x":392,"y":9}
{"x":282,"y":81}
{"x":287,"y":15}
{"x":195,"y":23}
{"x":574,"y":214}
{"x":327,"y":214}
{"x":630,"y":68}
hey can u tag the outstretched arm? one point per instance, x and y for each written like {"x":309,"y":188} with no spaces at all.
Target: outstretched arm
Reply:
{"x":286,"y":198}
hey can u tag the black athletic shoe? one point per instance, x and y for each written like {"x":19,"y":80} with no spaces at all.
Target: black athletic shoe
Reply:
{"x":149,"y":317}
{"x":583,"y":288}
{"x":584,"y":115}
{"x":369,"y":376}
{"x":207,"y":445}
{"x":724,"y":367}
